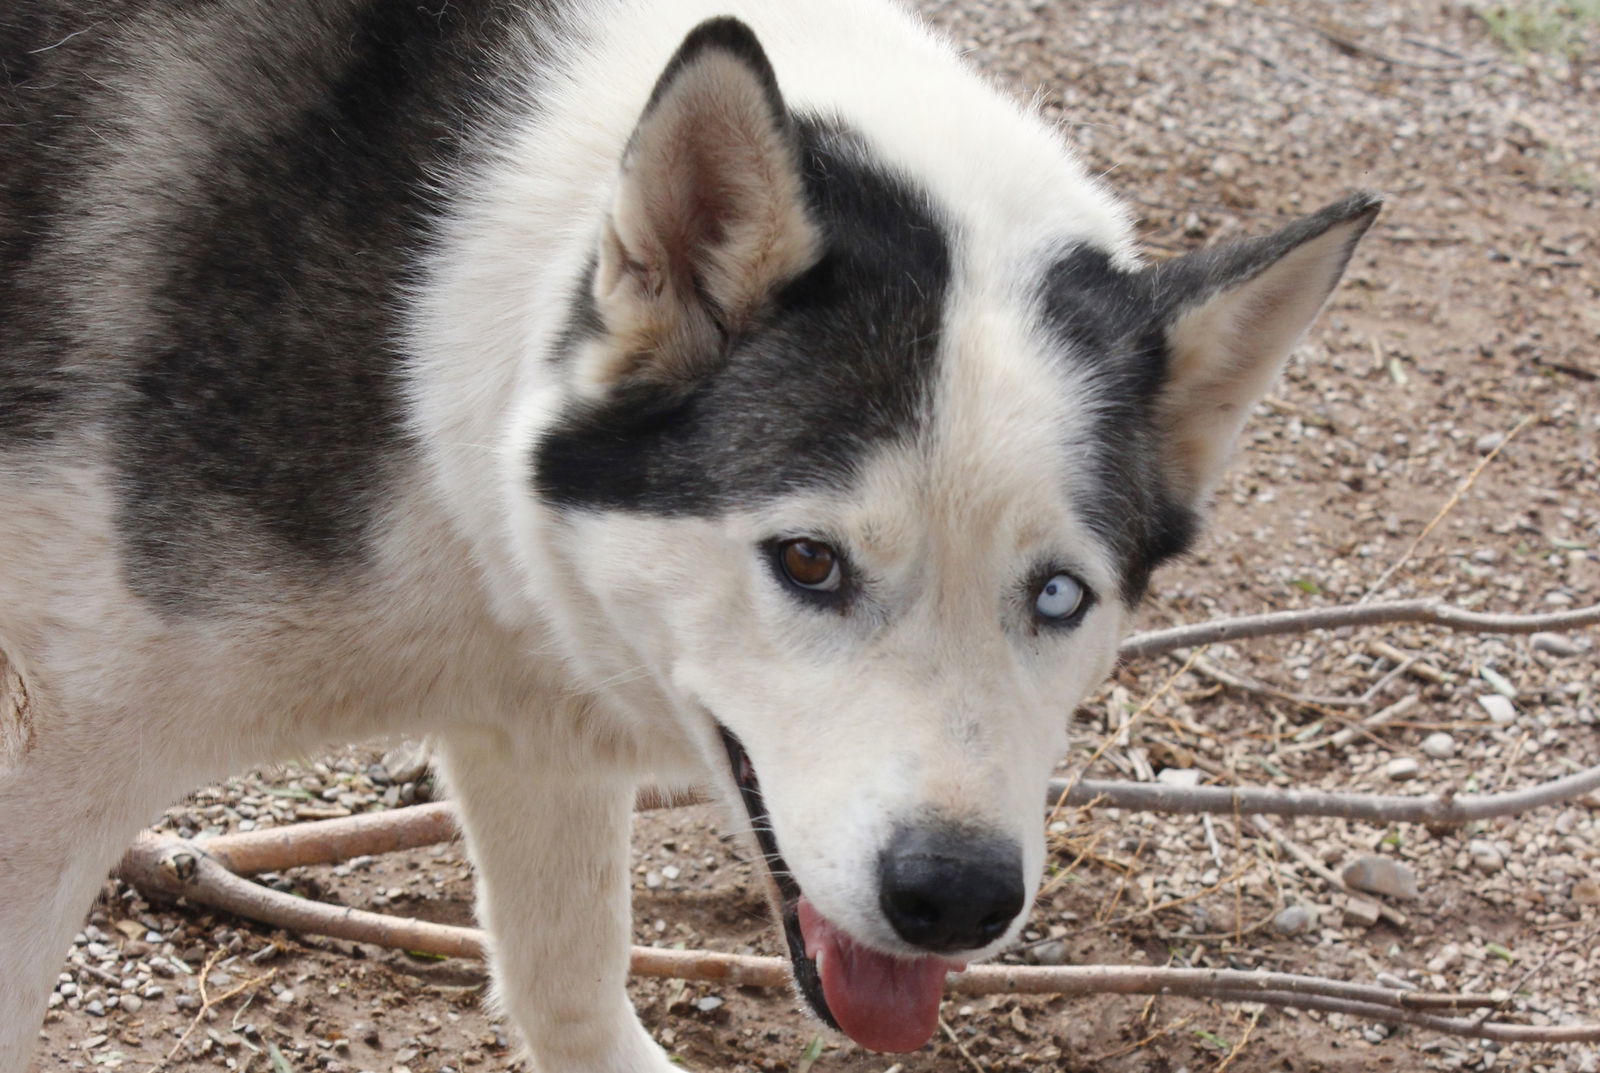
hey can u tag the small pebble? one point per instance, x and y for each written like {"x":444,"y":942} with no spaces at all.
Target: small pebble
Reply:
{"x":670,"y":872}
{"x":707,"y":1004}
{"x":1500,"y":709}
{"x":132,"y":1003}
{"x":1293,"y":920}
{"x":1053,"y":952}
{"x":1586,"y":892}
{"x":1382,"y":875}
{"x":407,"y":761}
{"x":1554,"y":644}
{"x":1362,"y":912}
{"x":1402,"y":769}
{"x":1439,"y":745}
{"x":1488,"y":442}
{"x":95,"y":1008}
{"x":1485,"y":858}
{"x":1448,"y":957}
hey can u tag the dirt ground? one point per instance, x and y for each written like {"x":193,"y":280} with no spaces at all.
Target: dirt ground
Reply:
{"x":1472,"y":310}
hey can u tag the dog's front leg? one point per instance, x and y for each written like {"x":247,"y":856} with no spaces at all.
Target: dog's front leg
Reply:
{"x":551,"y":852}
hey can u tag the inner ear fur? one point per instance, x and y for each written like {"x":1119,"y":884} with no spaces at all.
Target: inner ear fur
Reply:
{"x":1236,"y":313}
{"x":709,"y":218}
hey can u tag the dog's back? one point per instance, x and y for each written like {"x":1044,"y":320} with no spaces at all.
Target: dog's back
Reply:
{"x":207,"y":215}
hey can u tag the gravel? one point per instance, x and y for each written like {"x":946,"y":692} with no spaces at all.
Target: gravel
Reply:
{"x":1382,"y":875}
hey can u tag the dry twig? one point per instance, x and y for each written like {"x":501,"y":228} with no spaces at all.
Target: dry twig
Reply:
{"x":176,"y":867}
{"x":209,"y":1001}
{"x":329,"y":841}
{"x":1340,"y":738}
{"x":1238,"y":1048}
{"x":1273,"y":623}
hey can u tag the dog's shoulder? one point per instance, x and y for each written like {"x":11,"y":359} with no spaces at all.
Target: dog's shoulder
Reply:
{"x":209,"y":221}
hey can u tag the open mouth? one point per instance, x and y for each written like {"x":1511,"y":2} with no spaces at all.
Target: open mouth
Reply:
{"x":881,"y":1001}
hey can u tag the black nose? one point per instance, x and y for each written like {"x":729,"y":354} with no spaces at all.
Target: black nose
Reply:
{"x":947,"y":887}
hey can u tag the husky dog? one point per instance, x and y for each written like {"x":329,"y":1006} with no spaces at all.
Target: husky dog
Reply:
{"x":739,"y":393}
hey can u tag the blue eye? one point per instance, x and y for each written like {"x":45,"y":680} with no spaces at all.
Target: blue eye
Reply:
{"x":1060,"y":598}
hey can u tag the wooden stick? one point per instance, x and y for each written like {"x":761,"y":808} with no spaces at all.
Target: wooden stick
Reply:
{"x":1429,"y":612}
{"x":329,"y":841}
{"x":177,"y":867}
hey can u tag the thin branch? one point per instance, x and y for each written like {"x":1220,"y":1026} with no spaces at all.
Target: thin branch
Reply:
{"x":180,"y":868}
{"x":369,"y":833}
{"x":1430,"y":612}
{"x":1435,"y":810}
{"x":330,"y":841}
{"x":1246,"y":684}
{"x":1340,"y":738}
{"x":1453,"y":1026}
{"x":177,"y":867}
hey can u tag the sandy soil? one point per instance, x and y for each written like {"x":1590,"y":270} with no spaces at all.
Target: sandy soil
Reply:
{"x":1472,"y":310}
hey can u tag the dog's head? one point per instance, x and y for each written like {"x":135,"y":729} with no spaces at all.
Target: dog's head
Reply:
{"x":867,"y":484}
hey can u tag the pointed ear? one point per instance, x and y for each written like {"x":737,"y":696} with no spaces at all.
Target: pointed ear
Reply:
{"x":1235,"y":313}
{"x":709,"y":217}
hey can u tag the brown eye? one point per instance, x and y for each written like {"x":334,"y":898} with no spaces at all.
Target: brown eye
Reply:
{"x":811,"y":564}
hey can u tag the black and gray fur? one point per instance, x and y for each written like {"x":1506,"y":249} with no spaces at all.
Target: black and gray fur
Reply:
{"x":250,"y":370}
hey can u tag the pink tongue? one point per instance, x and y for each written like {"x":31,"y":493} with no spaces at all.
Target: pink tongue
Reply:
{"x":880,"y":1001}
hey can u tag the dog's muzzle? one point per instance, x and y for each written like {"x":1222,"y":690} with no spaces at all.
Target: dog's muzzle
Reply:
{"x":944,"y":888}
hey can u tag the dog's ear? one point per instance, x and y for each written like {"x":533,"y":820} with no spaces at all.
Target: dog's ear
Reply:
{"x":1233,"y":315}
{"x":709,"y":216}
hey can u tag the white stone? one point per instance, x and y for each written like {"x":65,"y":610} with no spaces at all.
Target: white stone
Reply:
{"x":1485,"y":858}
{"x":1402,"y":768}
{"x":1439,"y":745}
{"x":1500,"y":709}
{"x":1448,"y":957}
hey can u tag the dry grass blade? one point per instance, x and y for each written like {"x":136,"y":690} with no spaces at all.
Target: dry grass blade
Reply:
{"x":1455,"y":497}
{"x":209,"y":1001}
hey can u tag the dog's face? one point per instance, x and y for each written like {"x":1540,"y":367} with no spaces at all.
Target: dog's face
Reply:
{"x":870,"y":502}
